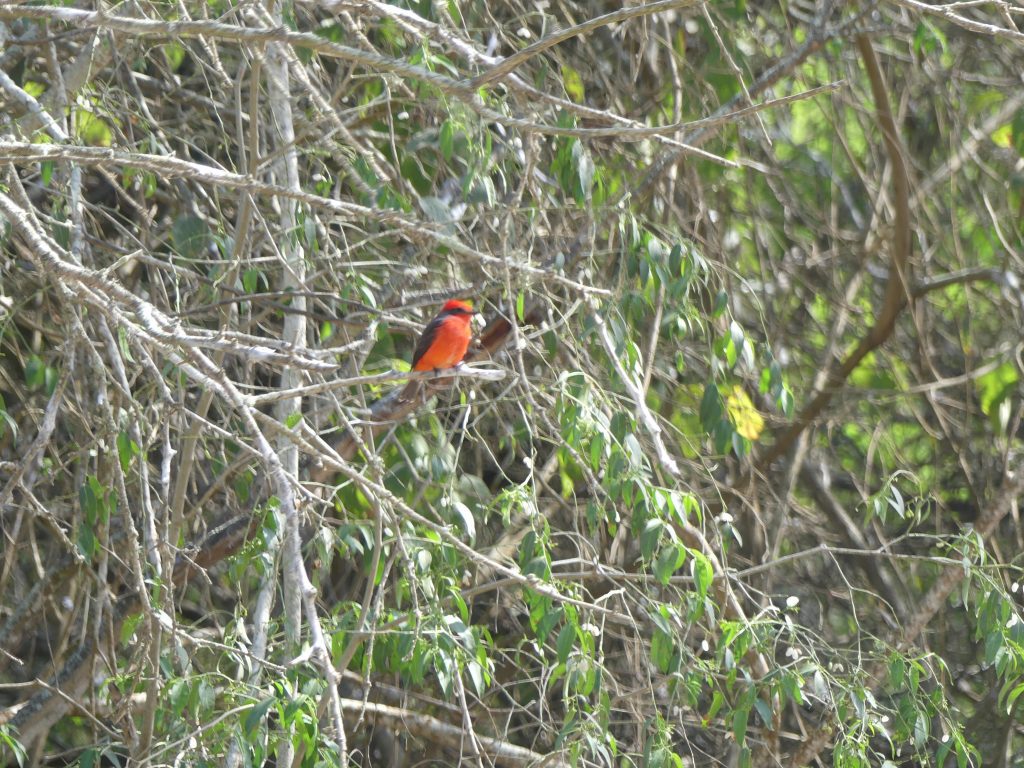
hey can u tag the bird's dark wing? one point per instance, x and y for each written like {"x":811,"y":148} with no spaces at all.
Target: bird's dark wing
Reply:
{"x":427,"y":338}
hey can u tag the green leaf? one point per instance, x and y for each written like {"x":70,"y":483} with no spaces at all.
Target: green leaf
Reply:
{"x":792,"y":684}
{"x":455,"y":13}
{"x":721,"y":302}
{"x":621,"y":425}
{"x":477,"y":677}
{"x":124,"y":344}
{"x":896,"y":501}
{"x":190,"y":236}
{"x":996,"y":385}
{"x":722,"y":436}
{"x":35,"y":372}
{"x":1002,"y":136}
{"x":763,"y":710}
{"x":662,"y":650}
{"x":649,"y":537}
{"x":178,"y":696}
{"x":660,"y":619}
{"x":928,"y":38}
{"x":255,"y":715}
{"x":446,"y":140}
{"x":737,"y":336}
{"x":670,"y":558}
{"x":785,"y":402}
{"x":88,"y":502}
{"x":1017,"y":127}
{"x":128,"y":627}
{"x":91,"y":513}
{"x":6,"y":420}
{"x":206,"y":696}
{"x":548,"y":621}
{"x":634,"y":451}
{"x":175,"y":54}
{"x":1012,"y":698}
{"x":710,"y":408}
{"x":566,"y":641}
{"x":251,"y":280}
{"x":995,"y":392}
{"x":87,"y":543}
{"x":50,"y":380}
{"x":436,"y":210}
{"x":897,"y":671}
{"x":702,"y":571}
{"x":675,"y":261}
{"x":921,"y":730}
{"x":127,"y":449}
{"x":466,"y":519}
{"x":739,"y":724}
{"x":717,"y":700}
{"x":585,"y":170}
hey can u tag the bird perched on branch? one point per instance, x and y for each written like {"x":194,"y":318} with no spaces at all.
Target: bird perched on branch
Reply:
{"x":445,"y":339}
{"x":443,"y":343}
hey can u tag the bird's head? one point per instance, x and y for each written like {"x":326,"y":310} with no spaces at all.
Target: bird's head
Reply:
{"x":456,"y":307}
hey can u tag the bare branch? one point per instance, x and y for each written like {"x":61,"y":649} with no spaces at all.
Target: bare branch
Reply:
{"x":511,"y":63}
{"x":948,"y":11}
{"x":636,"y":394}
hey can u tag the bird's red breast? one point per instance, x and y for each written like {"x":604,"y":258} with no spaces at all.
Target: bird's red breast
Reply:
{"x":445,"y":339}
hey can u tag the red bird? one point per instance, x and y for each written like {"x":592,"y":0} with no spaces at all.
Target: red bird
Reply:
{"x":445,"y":339}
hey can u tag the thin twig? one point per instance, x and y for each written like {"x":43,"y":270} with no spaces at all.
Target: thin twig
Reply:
{"x":512,"y":62}
{"x":647,"y":418}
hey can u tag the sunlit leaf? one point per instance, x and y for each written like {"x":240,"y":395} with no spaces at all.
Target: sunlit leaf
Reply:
{"x":92,"y":130}
{"x":748,"y":422}
{"x":573,"y":84}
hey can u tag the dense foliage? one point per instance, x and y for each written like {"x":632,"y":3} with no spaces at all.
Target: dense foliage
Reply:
{"x":733,"y":475}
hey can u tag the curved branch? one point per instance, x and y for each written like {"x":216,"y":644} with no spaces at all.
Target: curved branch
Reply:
{"x":507,"y":65}
{"x":447,"y":735}
{"x":896,"y":293}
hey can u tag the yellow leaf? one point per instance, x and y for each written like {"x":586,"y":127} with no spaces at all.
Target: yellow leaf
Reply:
{"x":573,"y":84}
{"x":1003,"y":136}
{"x":749,"y":423}
{"x":92,"y":130}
